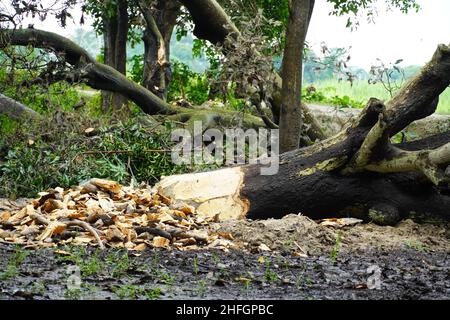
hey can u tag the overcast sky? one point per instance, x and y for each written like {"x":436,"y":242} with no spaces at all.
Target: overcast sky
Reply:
{"x":412,"y":37}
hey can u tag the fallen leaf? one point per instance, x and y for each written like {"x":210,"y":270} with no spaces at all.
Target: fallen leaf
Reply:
{"x":89,"y":130}
{"x":339,"y":222}
{"x":140,"y":247}
{"x":52,"y":229}
{"x":5,"y":216}
{"x":62,"y":252}
{"x":106,"y":185}
{"x":160,"y":242}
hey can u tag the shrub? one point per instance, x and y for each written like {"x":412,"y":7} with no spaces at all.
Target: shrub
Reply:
{"x":55,"y":152}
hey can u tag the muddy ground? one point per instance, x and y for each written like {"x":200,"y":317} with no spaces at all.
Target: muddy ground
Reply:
{"x":305,"y":261}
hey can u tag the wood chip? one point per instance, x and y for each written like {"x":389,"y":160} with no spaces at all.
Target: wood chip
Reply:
{"x":160,"y":242}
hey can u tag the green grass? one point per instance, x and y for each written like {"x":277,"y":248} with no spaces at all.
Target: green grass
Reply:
{"x":362,"y":91}
{"x":14,"y":262}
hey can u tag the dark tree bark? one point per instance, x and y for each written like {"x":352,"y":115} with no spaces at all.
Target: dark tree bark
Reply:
{"x":115,"y":35}
{"x":160,"y":22}
{"x":357,"y":172}
{"x":291,"y":121}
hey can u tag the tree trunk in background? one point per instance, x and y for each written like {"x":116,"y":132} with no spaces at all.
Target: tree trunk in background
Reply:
{"x":115,"y":45}
{"x":109,"y":30}
{"x":291,"y":122}
{"x":160,"y":20}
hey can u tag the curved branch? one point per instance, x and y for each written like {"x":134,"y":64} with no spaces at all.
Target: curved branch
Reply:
{"x":95,"y":74}
{"x":419,"y":97}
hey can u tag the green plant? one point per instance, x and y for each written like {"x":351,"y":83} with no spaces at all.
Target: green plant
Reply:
{"x":187,"y":84}
{"x":73,"y":294}
{"x":246,"y":284}
{"x":318,"y":96}
{"x":14,"y":262}
{"x":337,"y":247}
{"x":153,"y":294}
{"x":301,"y":280}
{"x":38,"y":288}
{"x":201,"y":288}
{"x":415,"y":245}
{"x":89,"y":263}
{"x":269,"y":274}
{"x":119,"y":262}
{"x":166,"y":278}
{"x":56,"y":152}
{"x":137,"y":67}
{"x":130,"y":291}
{"x":127,"y":291}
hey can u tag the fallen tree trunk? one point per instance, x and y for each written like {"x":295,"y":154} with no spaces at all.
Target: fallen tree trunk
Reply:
{"x":334,"y":119}
{"x":15,"y":110}
{"x":357,"y":172}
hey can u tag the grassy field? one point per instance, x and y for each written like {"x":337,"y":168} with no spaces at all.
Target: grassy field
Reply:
{"x":362,"y":91}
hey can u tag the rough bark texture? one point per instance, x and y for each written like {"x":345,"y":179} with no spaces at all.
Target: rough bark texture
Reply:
{"x":160,"y":21}
{"x":115,"y":36}
{"x":292,"y":72}
{"x":357,"y":172}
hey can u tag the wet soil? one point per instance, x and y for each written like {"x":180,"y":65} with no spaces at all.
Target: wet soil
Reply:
{"x":305,"y":261}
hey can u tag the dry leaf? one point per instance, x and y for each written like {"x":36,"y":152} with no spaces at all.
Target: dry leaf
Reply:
{"x":89,"y":130}
{"x":140,"y":247}
{"x":52,"y":229}
{"x":52,"y":204}
{"x":225,"y":235}
{"x":62,"y":252}
{"x":106,"y":185}
{"x":5,"y":216}
{"x":160,"y":242}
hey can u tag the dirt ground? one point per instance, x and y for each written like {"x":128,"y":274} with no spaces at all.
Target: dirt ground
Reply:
{"x":289,"y":258}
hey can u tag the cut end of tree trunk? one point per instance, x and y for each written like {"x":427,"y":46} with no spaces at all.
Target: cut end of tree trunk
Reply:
{"x":214,"y":193}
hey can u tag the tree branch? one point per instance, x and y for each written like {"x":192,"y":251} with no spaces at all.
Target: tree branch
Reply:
{"x":95,"y":74}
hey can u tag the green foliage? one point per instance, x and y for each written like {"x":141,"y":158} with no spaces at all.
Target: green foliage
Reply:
{"x":362,"y":91}
{"x":136,"y":69}
{"x":320,"y":97}
{"x":269,"y":274}
{"x":52,"y":152}
{"x":130,"y":291}
{"x":41,"y":98}
{"x":14,"y":262}
{"x":187,"y":84}
{"x":351,"y":8}
{"x":337,"y":248}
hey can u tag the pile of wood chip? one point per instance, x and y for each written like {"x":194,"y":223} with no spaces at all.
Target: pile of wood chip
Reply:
{"x":105,"y":214}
